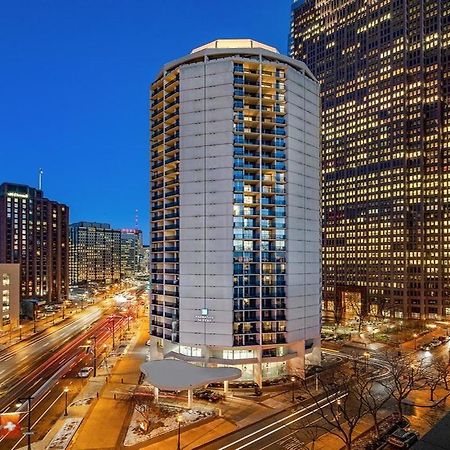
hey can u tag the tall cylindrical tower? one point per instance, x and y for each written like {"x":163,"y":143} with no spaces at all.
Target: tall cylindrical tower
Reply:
{"x":235,"y":225}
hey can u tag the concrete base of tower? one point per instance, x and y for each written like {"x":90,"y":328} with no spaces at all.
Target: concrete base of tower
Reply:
{"x":257,"y":363}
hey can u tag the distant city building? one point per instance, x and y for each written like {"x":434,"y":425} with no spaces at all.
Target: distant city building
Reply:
{"x":10,"y":296}
{"x":235,"y":221}
{"x":34,"y":234}
{"x":384,"y":69}
{"x":95,"y":256}
{"x":131,"y":252}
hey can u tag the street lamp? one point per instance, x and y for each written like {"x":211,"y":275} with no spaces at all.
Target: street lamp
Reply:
{"x":113,"y":332}
{"x":293,"y":389}
{"x":29,"y":432}
{"x":20,"y":332}
{"x":94,"y":338}
{"x":366,"y":357}
{"x":66,"y":392}
{"x":53,"y":317}
{"x":34,"y":317}
{"x":415,"y":341}
{"x":179,"y":420}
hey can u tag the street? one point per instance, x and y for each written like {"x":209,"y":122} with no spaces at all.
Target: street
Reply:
{"x":46,"y":365}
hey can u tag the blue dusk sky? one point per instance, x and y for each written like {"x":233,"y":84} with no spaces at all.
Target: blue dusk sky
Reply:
{"x":74,"y":82}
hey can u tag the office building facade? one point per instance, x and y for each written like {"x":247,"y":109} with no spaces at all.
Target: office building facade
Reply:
{"x":95,"y":254}
{"x":131,"y":251}
{"x":385,"y":83}
{"x":235,"y":222}
{"x":34,"y":233}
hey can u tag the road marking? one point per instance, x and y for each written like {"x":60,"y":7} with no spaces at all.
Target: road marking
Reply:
{"x":290,"y":434}
{"x":279,"y":421}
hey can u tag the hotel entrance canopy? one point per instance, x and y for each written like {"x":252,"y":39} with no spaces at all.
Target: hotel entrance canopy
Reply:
{"x":175,"y":375}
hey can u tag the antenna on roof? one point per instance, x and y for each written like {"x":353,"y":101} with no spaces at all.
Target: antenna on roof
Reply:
{"x":41,"y":172}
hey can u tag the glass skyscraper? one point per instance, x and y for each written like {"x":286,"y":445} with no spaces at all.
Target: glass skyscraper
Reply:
{"x":384,"y":71}
{"x":235,"y":222}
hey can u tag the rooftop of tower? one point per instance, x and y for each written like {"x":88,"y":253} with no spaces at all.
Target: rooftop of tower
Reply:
{"x":235,"y":43}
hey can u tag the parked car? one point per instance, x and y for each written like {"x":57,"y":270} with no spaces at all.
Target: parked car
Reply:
{"x":85,"y":372}
{"x":207,"y":394}
{"x":435,"y":342}
{"x":443,"y":339}
{"x":403,"y":439}
{"x":425,"y":347}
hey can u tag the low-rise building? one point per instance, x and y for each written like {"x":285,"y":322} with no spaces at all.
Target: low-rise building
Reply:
{"x":10,"y":294}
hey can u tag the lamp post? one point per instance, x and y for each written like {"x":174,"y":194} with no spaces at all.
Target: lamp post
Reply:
{"x":20,"y":332}
{"x":66,"y":392}
{"x":113,"y":331}
{"x":179,"y":420}
{"x":366,"y":357}
{"x":34,"y":318}
{"x":53,"y":317}
{"x":415,"y":341}
{"x":293,"y":389}
{"x":28,"y":400}
{"x":128,"y":328}
{"x":95,"y":355}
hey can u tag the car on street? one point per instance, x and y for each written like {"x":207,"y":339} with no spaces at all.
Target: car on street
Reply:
{"x":443,"y":339}
{"x":435,"y":342}
{"x":425,"y":347}
{"x":403,"y":438}
{"x":85,"y":372}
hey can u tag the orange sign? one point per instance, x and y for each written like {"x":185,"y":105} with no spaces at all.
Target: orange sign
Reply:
{"x":10,"y":426}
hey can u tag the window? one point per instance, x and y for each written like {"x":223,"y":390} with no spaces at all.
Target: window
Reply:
{"x":6,"y":279}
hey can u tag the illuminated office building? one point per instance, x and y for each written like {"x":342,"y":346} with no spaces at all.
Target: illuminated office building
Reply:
{"x":95,"y":256}
{"x":131,"y":252}
{"x":34,"y":233}
{"x":235,"y":234}
{"x":384,"y":71}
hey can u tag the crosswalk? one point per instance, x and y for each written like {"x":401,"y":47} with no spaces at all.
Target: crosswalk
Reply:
{"x":291,"y":443}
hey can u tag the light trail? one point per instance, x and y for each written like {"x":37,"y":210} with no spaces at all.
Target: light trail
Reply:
{"x":296,"y":413}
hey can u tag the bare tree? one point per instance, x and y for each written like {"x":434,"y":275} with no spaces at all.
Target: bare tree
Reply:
{"x":371,"y":397}
{"x":442,"y":367}
{"x":143,"y":404}
{"x":339,"y":408}
{"x":313,"y":432}
{"x":432,"y":379}
{"x":405,"y":371}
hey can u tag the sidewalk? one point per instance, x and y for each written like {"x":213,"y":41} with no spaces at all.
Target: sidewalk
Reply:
{"x":110,"y":414}
{"x":414,"y":344}
{"x":421,"y":398}
{"x":96,"y":400}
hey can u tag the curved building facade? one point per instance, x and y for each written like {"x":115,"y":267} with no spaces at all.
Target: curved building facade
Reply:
{"x":235,"y":215}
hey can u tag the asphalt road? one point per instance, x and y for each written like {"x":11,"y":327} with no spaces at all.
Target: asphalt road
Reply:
{"x":43,"y":366}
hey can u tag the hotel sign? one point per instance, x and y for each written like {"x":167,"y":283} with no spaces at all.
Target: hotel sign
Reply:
{"x":16,"y":195}
{"x":204,"y":317}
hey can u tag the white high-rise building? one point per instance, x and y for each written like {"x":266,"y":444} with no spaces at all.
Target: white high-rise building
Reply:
{"x":235,"y":216}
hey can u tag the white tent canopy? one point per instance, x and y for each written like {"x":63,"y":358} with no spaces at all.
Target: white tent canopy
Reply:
{"x":172,"y":374}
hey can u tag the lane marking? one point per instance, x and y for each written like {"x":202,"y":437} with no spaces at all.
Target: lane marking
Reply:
{"x":279,"y":421}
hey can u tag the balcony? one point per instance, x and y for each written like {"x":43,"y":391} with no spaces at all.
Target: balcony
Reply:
{"x":172,"y":204}
{"x":169,"y":94}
